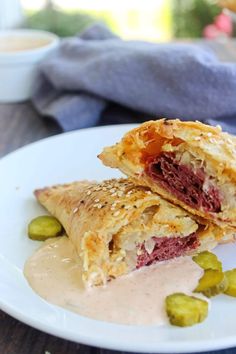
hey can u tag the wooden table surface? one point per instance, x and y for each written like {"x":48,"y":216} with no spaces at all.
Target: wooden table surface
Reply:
{"x":21,"y":125}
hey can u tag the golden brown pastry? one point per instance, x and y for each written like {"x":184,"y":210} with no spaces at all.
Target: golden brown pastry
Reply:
{"x":188,"y":163}
{"x":229,"y":4}
{"x":117,"y":227}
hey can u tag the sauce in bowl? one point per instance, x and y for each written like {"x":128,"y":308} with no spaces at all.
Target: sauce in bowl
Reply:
{"x":9,"y":44}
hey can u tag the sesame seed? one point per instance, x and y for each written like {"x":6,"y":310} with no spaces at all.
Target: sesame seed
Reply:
{"x":97,"y":200}
{"x":75,"y":210}
{"x":113,"y":208}
{"x":127,"y":207}
{"x":117,"y":213}
{"x":148,"y":192}
{"x":120,"y":194}
{"x":89,"y":192}
{"x":96,"y":187}
{"x":114,"y":194}
{"x":209,"y":134}
{"x":99,"y":206}
{"x":113,"y":190}
{"x":129,"y":192}
{"x":197,"y":138}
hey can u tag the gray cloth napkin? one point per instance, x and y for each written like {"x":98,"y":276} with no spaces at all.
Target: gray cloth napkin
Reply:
{"x":88,"y":73}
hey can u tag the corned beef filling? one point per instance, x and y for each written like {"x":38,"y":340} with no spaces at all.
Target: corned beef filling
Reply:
{"x":166,"y":248}
{"x":184,"y":183}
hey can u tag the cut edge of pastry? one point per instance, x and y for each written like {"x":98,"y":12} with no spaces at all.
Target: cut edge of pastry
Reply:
{"x":188,"y":142}
{"x":111,"y":240}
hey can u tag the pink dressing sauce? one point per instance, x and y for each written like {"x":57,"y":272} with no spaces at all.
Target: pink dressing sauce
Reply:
{"x":54,"y":272}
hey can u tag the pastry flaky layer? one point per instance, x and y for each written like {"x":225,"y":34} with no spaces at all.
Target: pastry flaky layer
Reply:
{"x":188,"y":163}
{"x":117,"y":226}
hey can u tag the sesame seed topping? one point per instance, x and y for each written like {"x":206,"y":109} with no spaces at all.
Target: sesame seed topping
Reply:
{"x":117,"y":213}
{"x":148,"y":192}
{"x":120,"y":194}
{"x":75,"y":210}
{"x":113,"y":190}
{"x":129,"y":192}
{"x":127,"y":207}
{"x":114,"y":194}
{"x":209,"y":134}
{"x":99,"y":206}
{"x":97,"y":200}
{"x":197,"y":138}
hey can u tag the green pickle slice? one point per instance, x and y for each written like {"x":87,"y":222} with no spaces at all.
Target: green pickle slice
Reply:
{"x":231,"y":277}
{"x":213,"y":282}
{"x":207,"y":260}
{"x":184,"y":310}
{"x":44,"y":227}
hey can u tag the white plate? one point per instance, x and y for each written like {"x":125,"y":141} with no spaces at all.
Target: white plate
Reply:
{"x":66,"y":158}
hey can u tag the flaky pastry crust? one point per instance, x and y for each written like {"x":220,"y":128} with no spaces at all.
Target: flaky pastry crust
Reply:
{"x":106,"y":221}
{"x":195,"y":145}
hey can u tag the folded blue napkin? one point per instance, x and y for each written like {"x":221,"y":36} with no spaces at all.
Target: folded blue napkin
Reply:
{"x":98,"y":78}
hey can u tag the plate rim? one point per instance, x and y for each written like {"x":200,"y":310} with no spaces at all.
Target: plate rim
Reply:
{"x":185,"y":346}
{"x":62,"y":134}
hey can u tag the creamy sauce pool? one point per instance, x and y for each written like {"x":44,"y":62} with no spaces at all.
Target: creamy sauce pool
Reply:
{"x":54,"y":272}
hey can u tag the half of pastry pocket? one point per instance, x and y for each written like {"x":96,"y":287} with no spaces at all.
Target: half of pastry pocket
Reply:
{"x":188,"y":163}
{"x":117,"y":227}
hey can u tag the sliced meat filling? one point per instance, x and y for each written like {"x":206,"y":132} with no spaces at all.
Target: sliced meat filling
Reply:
{"x":186,"y":184}
{"x":166,"y":248}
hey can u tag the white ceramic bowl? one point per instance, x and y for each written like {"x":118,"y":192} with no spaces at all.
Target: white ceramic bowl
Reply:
{"x":20,"y":54}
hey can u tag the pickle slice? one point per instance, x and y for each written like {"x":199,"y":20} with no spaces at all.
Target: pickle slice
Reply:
{"x":207,"y":260}
{"x":44,"y":227}
{"x":231,"y":277}
{"x":213,"y":282}
{"x":184,"y":310}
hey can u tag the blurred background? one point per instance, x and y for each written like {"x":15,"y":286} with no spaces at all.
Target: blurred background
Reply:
{"x":152,"y":20}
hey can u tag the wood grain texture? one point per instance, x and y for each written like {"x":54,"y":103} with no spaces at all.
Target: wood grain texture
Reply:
{"x":19,"y":126}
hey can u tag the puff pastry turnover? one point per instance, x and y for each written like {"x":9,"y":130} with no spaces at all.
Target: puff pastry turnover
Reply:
{"x":188,"y":163}
{"x":117,"y":226}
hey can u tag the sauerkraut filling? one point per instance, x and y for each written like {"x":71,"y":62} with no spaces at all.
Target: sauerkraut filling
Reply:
{"x":158,"y":249}
{"x":189,"y":184}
